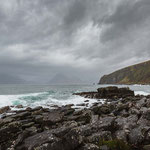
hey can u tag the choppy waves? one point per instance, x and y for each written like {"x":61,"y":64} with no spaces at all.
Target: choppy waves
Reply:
{"x":54,"y":97}
{"x":45,"y":99}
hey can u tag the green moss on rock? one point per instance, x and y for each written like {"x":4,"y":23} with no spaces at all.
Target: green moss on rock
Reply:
{"x":114,"y":144}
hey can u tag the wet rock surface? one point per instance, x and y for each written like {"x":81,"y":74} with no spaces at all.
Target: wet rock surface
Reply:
{"x":118,"y":125}
{"x":111,"y":92}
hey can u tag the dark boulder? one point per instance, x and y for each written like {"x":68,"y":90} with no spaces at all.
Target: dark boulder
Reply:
{"x":110,"y":92}
{"x":106,"y":124}
{"x":102,"y":135}
{"x":52,"y":118}
{"x":103,"y":109}
{"x":19,"y":106}
{"x":4,"y":109}
{"x":47,"y":140}
{"x":114,"y":92}
{"x":88,"y":94}
{"x":8,"y":133}
{"x":136,"y":136}
{"x":21,"y":115}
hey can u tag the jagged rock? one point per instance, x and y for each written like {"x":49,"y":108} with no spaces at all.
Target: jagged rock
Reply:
{"x":85,"y":117}
{"x":27,"y":125}
{"x":122,"y":134}
{"x":88,"y":94}
{"x":111,"y":92}
{"x":114,"y":92}
{"x":38,"y":118}
{"x":36,"y":108}
{"x":70,"y":124}
{"x":4,"y":109}
{"x":6,"y":121}
{"x":8,"y":132}
{"x":20,"y":138}
{"x":104,"y":147}
{"x":52,"y":118}
{"x":143,"y":122}
{"x":103,"y":109}
{"x":21,"y":115}
{"x":19,"y":106}
{"x":136,"y":136}
{"x":83,"y":104}
{"x":86,"y":101}
{"x":79,"y":112}
{"x":5,"y":131}
{"x":89,"y":146}
{"x":38,"y":140}
{"x":106,"y":123}
{"x":126,"y":123}
{"x":94,"y":118}
{"x":134,"y":111}
{"x":141,"y":103}
{"x":146,"y":114}
{"x":37,"y":112}
{"x":102,"y":135}
{"x":66,"y":110}
{"x":32,"y":130}
{"x":69,"y":111}
{"x":47,"y":140}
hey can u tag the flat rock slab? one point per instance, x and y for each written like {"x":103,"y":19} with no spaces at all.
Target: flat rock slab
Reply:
{"x":52,"y":118}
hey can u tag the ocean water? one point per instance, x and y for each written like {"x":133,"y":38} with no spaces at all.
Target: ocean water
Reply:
{"x":49,"y":95}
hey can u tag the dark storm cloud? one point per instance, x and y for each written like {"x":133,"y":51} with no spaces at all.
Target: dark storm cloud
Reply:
{"x":129,"y":15}
{"x":75,"y":13}
{"x":39,"y":38}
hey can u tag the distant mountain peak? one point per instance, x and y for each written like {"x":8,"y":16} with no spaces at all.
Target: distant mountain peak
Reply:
{"x":10,"y":79}
{"x":62,"y":79}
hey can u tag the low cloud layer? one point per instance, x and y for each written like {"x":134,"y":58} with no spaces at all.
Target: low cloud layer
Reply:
{"x":39,"y":38}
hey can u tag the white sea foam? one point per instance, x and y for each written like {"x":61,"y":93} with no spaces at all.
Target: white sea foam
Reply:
{"x":10,"y":100}
{"x":141,"y":93}
{"x":42,"y":99}
{"x":47,"y":99}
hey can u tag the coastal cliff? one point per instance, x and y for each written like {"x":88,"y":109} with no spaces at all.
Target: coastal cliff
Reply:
{"x":136,"y":74}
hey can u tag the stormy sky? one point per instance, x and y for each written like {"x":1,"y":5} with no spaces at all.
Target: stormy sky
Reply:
{"x":84,"y":38}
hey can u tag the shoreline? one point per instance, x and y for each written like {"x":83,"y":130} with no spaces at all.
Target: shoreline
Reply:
{"x":123,"y":121}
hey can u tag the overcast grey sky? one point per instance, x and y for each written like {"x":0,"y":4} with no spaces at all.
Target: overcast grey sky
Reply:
{"x":86,"y":38}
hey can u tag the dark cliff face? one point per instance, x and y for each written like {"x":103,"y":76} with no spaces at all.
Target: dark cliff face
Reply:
{"x":136,"y":74}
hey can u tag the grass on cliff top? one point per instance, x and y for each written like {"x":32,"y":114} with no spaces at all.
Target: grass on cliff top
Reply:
{"x":135,"y":74}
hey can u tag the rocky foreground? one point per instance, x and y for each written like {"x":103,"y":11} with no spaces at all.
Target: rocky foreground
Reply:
{"x":122,"y":123}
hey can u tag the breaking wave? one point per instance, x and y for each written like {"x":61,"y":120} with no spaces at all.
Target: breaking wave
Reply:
{"x":45,"y":99}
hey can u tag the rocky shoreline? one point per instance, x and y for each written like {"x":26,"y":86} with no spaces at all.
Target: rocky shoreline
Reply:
{"x":121,"y":123}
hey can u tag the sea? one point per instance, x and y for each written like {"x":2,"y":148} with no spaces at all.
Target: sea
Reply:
{"x":50,"y":95}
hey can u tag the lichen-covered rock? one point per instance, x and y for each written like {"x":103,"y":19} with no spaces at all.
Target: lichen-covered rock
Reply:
{"x":106,"y":123}
{"x":48,"y":140}
{"x":96,"y":137}
{"x":52,"y":118}
{"x":136,"y":136}
{"x":8,"y":133}
{"x":89,"y":146}
{"x":103,"y":109}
